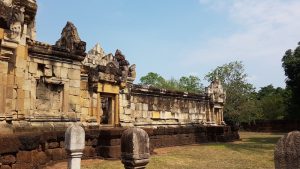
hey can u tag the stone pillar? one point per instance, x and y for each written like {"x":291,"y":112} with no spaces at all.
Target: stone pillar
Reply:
{"x":74,"y":145}
{"x":287,"y":151}
{"x":135,"y":148}
{"x":117,"y":112}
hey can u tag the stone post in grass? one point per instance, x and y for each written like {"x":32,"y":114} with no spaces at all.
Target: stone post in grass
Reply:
{"x":287,"y":151}
{"x":135,"y":148}
{"x":74,"y":145}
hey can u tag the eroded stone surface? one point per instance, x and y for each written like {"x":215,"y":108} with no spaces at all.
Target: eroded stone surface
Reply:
{"x":287,"y":151}
{"x":135,"y":148}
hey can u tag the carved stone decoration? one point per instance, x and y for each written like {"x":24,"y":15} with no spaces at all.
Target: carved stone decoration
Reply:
{"x":95,"y":57}
{"x":70,"y":40}
{"x":216,"y":92}
{"x":132,"y":73}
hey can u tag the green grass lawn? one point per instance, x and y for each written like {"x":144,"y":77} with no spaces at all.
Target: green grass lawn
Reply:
{"x":254,"y":151}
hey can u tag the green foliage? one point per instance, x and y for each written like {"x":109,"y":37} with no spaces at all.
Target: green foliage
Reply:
{"x":240,"y":95}
{"x":186,"y":84}
{"x":153,"y":79}
{"x":273,"y":102}
{"x":190,"y":84}
{"x":291,"y":65}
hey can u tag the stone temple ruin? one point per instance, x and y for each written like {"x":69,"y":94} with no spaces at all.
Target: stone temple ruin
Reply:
{"x":46,"y":85}
{"x":46,"y":88}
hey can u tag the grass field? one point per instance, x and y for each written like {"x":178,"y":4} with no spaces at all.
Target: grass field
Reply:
{"x":255,"y":150}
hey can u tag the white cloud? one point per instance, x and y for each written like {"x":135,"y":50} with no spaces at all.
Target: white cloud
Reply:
{"x":266,"y":29}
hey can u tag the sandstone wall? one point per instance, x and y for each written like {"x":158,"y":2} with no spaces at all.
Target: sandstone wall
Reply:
{"x":150,"y":107}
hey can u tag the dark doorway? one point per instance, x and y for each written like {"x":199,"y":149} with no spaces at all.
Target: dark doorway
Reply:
{"x":107,"y":109}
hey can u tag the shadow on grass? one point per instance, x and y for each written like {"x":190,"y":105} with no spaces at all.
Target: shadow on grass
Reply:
{"x":253,"y":144}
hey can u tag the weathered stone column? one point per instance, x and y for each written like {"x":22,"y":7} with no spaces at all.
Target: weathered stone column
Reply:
{"x":74,"y":145}
{"x":287,"y":151}
{"x":135,"y":148}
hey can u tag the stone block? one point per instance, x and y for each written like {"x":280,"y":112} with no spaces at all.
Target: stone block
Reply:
{"x":9,"y":144}
{"x":7,"y":159}
{"x":11,"y":93}
{"x":38,"y":158}
{"x":3,"y":67}
{"x":85,"y":103}
{"x":85,"y":111}
{"x":128,"y":111}
{"x":36,"y":60}
{"x":75,"y":100}
{"x":24,"y":157}
{"x":139,"y":106}
{"x":53,"y":145}
{"x":27,"y":85}
{"x":145,"y":114}
{"x":84,"y":94}
{"x":64,"y":72}
{"x":74,"y":91}
{"x":84,"y":85}
{"x":22,"y":166}
{"x":145,"y":107}
{"x":89,"y":151}
{"x":10,"y":79}
{"x":74,"y":74}
{"x":20,"y":104}
{"x":75,"y":67}
{"x":132,"y":106}
{"x":1,"y":33}
{"x":5,"y":167}
{"x":66,"y":65}
{"x":75,"y":83}
{"x":27,"y":104}
{"x":20,"y":73}
{"x":32,"y":67}
{"x":57,"y":71}
{"x":108,"y":88}
{"x":56,"y":154}
{"x":155,"y":115}
{"x":22,"y":51}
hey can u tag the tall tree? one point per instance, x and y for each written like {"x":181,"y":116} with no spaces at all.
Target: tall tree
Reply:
{"x":239,"y":93}
{"x":186,"y":83}
{"x":291,"y":65}
{"x":272,"y":102}
{"x":152,"y":79}
{"x":190,"y":84}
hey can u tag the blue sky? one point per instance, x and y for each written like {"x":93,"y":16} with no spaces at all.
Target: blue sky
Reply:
{"x":183,"y":37}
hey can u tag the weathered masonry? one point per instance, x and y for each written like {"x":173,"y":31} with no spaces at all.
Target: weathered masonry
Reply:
{"x":48,"y":86}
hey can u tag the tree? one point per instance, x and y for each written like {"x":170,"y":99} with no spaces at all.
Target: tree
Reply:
{"x":291,"y":65}
{"x":272,"y":102}
{"x":185,"y":84}
{"x":190,"y":84}
{"x":239,"y":93}
{"x":152,"y":79}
